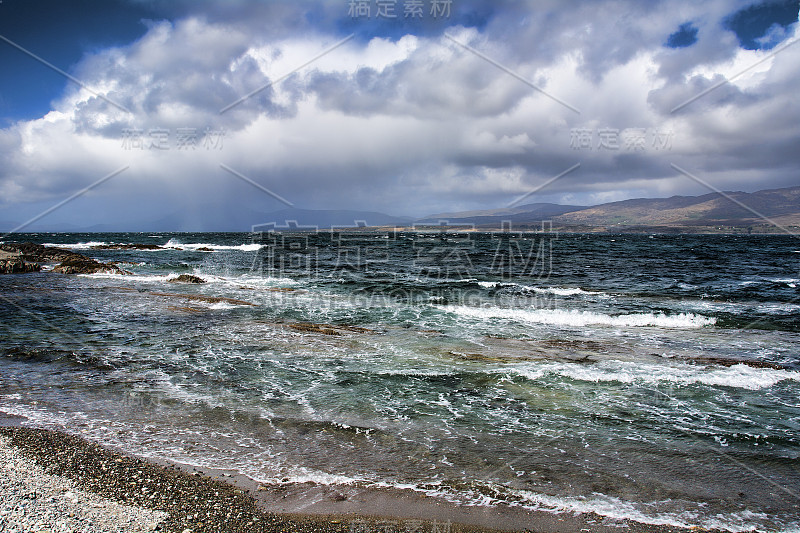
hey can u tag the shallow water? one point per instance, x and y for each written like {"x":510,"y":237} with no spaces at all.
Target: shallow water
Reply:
{"x":599,"y":373}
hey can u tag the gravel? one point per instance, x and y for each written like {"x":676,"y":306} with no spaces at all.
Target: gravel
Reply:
{"x":53,"y":482}
{"x":34,"y":500}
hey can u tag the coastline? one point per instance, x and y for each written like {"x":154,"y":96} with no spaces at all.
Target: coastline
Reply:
{"x":217,"y":500}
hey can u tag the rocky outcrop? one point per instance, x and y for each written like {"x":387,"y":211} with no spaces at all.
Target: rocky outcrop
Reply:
{"x":15,"y":265}
{"x":79,"y":264}
{"x":187,"y":278}
{"x":70,"y":262}
{"x":36,"y":253}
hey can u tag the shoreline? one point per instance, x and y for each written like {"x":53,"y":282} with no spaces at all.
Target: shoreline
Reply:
{"x":204,"y":499}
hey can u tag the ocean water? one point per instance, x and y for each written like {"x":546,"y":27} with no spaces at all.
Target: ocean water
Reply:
{"x":649,"y":377}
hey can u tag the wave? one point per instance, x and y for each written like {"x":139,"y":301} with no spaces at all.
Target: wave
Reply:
{"x":177,"y":245}
{"x":172,"y":244}
{"x":243,"y":281}
{"x":558,"y":291}
{"x":672,"y":513}
{"x":251,"y":281}
{"x":77,"y":246}
{"x":615,"y":508}
{"x":736,"y":376}
{"x":584,"y":318}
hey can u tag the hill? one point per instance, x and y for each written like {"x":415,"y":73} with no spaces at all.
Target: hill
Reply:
{"x":736,"y":209}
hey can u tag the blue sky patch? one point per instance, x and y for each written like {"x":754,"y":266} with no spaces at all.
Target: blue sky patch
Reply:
{"x":685,"y":36}
{"x":762,"y":26}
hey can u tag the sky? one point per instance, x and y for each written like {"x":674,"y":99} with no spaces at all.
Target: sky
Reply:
{"x":198,"y":113}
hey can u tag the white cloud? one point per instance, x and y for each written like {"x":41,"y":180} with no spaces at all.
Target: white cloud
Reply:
{"x":416,"y":124}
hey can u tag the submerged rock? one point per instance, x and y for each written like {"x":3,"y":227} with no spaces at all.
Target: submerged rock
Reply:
{"x":327,"y":329}
{"x":187,"y":278}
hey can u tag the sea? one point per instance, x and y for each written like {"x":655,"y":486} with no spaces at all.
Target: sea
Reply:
{"x":648,"y":377}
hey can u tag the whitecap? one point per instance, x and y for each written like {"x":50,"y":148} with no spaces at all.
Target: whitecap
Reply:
{"x":737,"y":376}
{"x":177,"y":245}
{"x":558,"y":291}
{"x":578,"y":318}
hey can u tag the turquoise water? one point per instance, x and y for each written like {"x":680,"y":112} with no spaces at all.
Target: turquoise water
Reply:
{"x":650,"y":377}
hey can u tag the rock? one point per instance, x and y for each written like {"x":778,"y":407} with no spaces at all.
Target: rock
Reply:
{"x":204,"y":249}
{"x":15,"y":265}
{"x":314,"y":328}
{"x":78,"y":264}
{"x":328,"y":329}
{"x":71,"y":262}
{"x":187,"y":278}
{"x":36,"y":253}
{"x":725,"y":361}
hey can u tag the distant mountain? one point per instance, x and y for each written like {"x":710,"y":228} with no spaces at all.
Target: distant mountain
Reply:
{"x":327,"y":218}
{"x":523,"y":214}
{"x":714,"y":209}
{"x":686,"y":213}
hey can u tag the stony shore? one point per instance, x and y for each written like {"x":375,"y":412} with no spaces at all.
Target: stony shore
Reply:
{"x":56,"y":482}
{"x":52,"y":481}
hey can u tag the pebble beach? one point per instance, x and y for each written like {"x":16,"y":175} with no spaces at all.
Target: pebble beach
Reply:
{"x":55,"y":482}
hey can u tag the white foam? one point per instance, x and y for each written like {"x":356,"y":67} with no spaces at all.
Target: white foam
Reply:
{"x":617,"y":509}
{"x":223,"y":305}
{"x":736,"y":376}
{"x":257,"y":281}
{"x":301,"y":474}
{"x":583,"y":318}
{"x":601,"y":504}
